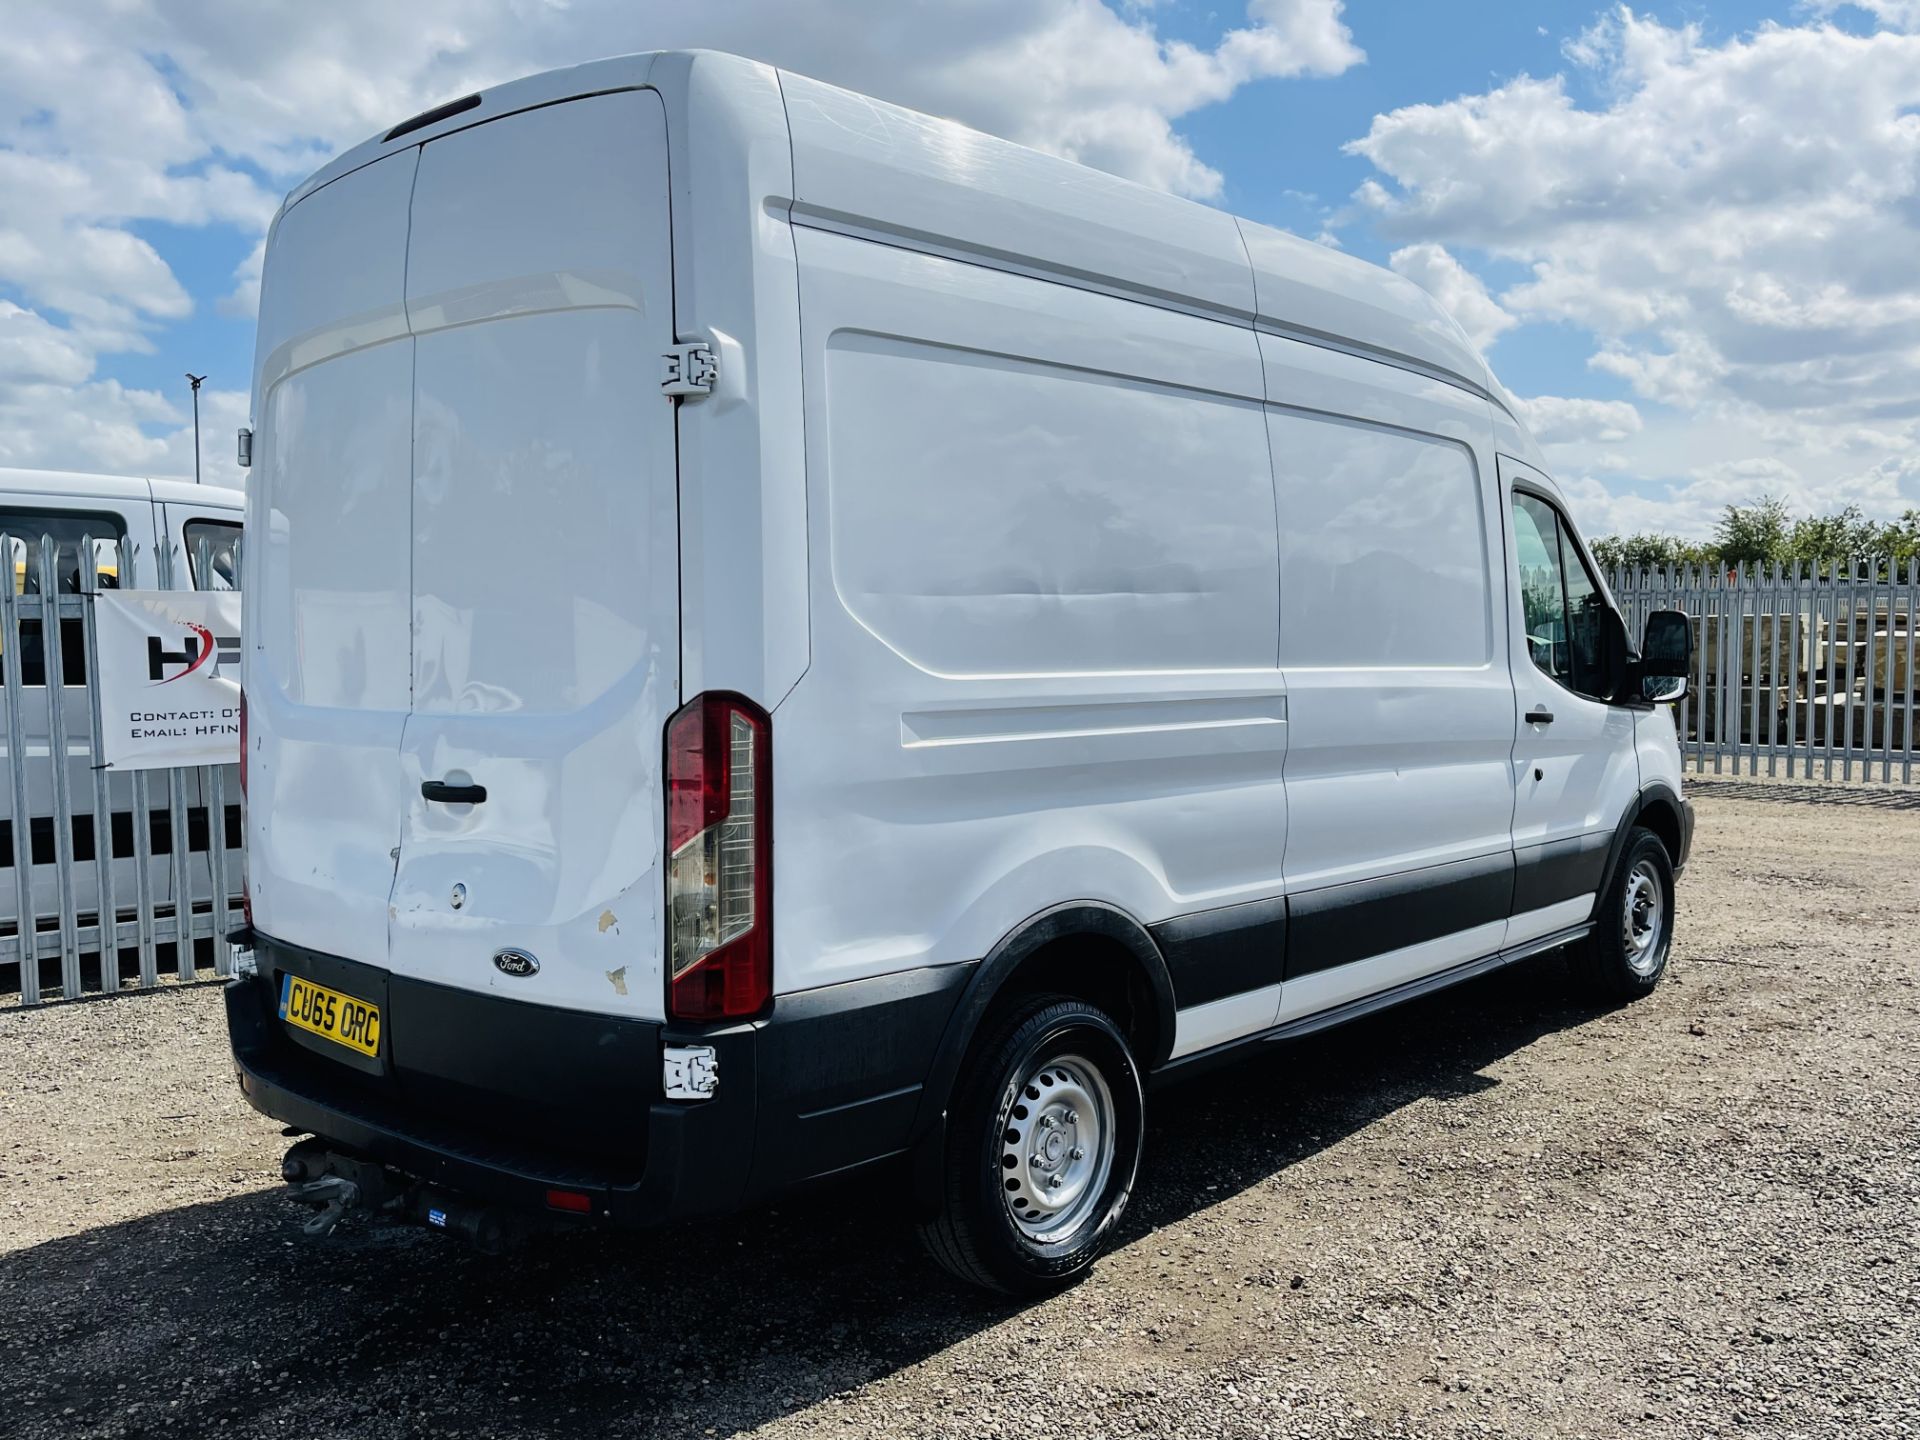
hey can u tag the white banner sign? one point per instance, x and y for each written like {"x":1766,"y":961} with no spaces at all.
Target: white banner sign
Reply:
{"x":169,"y":677}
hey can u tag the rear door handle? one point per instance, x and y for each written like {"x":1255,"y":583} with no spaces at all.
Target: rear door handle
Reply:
{"x":445,"y":794}
{"x":1535,"y":716}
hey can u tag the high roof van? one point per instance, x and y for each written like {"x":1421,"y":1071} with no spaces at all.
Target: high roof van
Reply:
{"x":790,"y":639}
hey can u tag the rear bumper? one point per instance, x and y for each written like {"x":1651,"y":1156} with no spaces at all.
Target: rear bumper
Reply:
{"x":504,"y":1101}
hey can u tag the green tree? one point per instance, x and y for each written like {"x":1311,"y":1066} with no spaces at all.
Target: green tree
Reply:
{"x":1647,"y":552}
{"x":1752,"y":534}
{"x":1823,"y":539}
{"x":1762,"y":532}
{"x":1899,"y":540}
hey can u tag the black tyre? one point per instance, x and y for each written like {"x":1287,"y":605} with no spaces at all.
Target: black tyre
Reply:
{"x":1043,"y":1143}
{"x":1632,"y":936}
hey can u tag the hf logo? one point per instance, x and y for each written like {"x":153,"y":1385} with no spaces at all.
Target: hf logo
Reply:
{"x":196,"y":651}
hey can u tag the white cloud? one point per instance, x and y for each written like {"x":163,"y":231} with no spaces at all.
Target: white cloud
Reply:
{"x":1734,"y":223}
{"x":32,"y":352}
{"x":97,"y":425}
{"x":1560,"y":420}
{"x":114,"y":112}
{"x":1460,"y":292}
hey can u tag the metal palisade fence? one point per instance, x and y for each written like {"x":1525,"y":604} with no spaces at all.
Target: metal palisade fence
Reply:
{"x":1805,"y":672}
{"x":111,"y":879}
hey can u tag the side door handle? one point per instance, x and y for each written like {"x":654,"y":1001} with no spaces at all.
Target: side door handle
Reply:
{"x":445,"y":794}
{"x":1539,"y":716}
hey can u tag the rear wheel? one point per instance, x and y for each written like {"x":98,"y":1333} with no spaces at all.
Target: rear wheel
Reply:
{"x":1042,"y":1147}
{"x":1632,"y":936}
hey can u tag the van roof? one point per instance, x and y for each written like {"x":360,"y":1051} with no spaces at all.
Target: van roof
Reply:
{"x":118,"y":487}
{"x":865,"y":167}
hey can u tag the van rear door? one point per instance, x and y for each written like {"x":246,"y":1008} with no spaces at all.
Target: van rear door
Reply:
{"x":329,"y":508}
{"x":462,"y":560}
{"x":543,"y":560}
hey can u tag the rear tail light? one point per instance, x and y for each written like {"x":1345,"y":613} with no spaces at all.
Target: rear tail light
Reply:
{"x":719,"y":859}
{"x":243,"y":744}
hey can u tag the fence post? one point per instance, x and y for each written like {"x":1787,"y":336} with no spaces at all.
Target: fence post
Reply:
{"x":106,"y":906}
{"x":142,"y":845}
{"x":1773,"y":670}
{"x":53,"y":651}
{"x":20,"y":808}
{"x":214,"y":781}
{"x":1798,"y":678}
{"x":178,"y":856}
{"x":1913,"y":680}
{"x":1884,"y":706}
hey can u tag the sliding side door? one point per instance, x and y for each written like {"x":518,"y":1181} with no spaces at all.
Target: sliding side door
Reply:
{"x":1399,"y":858}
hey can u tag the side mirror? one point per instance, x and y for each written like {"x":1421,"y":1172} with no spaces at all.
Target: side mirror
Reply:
{"x":1662,"y":689}
{"x":1659,"y":675}
{"x":1666,"y":649}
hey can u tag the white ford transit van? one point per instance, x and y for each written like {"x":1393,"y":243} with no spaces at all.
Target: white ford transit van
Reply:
{"x":789,"y":638}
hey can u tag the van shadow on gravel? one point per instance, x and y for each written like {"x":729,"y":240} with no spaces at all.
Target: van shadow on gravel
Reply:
{"x":218,"y":1315}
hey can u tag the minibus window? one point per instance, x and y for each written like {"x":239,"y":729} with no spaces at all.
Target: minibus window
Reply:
{"x":217,"y":543}
{"x":23,"y":528}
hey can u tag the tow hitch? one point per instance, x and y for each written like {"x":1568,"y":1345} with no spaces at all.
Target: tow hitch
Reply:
{"x":332,"y":1182}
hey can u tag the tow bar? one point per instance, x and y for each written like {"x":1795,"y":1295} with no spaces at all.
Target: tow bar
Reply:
{"x":331,"y":1182}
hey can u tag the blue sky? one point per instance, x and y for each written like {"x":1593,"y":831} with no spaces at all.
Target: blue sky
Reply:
{"x":1678,"y":229}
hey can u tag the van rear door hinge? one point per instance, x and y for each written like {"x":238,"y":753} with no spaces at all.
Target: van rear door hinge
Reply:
{"x":689,"y":369}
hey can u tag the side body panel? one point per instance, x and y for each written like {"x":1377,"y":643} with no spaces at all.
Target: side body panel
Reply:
{"x":1315,"y":293}
{"x":1658,"y":749}
{"x":868,"y":168}
{"x":1044,"y":614}
{"x":743,"y":490}
{"x":1399,"y":781}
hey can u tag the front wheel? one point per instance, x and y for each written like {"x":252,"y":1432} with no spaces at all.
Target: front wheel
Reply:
{"x":1042,"y":1148}
{"x":1632,"y":936}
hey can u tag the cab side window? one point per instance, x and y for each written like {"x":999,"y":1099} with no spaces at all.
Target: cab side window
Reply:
{"x":1561,"y":602}
{"x":1586,"y":610}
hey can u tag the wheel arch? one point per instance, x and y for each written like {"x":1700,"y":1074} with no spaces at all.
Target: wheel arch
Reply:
{"x":1658,"y":808}
{"x":1087,"y":948}
{"x":1660,"y":812}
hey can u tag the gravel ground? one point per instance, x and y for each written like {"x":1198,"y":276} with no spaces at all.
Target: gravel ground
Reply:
{"x":1488,"y":1213}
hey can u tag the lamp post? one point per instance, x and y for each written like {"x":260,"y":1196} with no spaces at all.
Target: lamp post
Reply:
{"x":194,"y":381}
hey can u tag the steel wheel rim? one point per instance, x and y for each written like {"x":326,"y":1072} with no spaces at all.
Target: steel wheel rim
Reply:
{"x":1057,"y":1135}
{"x":1643,"y":918}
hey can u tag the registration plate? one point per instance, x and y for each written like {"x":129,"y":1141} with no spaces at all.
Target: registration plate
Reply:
{"x":330,"y":1014}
